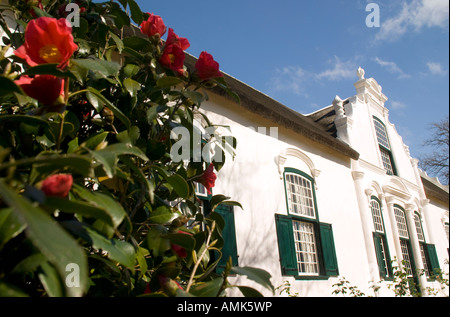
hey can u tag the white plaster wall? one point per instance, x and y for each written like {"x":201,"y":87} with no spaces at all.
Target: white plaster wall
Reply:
{"x":253,"y":179}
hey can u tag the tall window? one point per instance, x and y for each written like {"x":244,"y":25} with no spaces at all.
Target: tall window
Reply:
{"x":300,"y":195}
{"x":403,"y":233}
{"x":427,"y":251}
{"x":306,"y":246}
{"x":379,"y":236}
{"x":385,"y":147}
{"x":421,"y":238}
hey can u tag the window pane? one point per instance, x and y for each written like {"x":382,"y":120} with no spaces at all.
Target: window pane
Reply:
{"x":401,"y":223}
{"x":377,"y":217}
{"x":419,"y":229}
{"x":405,"y":256}
{"x":306,"y":248}
{"x":384,"y":256}
{"x":387,"y":163}
{"x":300,"y":196}
{"x":424,"y":259}
{"x":381,"y":134}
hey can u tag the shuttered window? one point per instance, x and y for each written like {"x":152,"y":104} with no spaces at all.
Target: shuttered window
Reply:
{"x":305,"y":245}
{"x":380,"y":241}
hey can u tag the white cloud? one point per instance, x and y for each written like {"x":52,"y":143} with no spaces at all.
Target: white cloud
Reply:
{"x":392,"y":67}
{"x":340,"y":70}
{"x":291,"y":78}
{"x":397,"y":105}
{"x":436,"y":69}
{"x":413,"y":17}
{"x":295,"y":79}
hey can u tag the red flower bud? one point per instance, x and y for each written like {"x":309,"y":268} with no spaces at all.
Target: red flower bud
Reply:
{"x":207,"y":67}
{"x":57,"y":185}
{"x":208,"y":179}
{"x":45,"y":88}
{"x":47,"y":41}
{"x":173,"y":39}
{"x":154,"y":25}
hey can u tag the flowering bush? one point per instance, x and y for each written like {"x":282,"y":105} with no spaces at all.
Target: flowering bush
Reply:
{"x":91,"y":201}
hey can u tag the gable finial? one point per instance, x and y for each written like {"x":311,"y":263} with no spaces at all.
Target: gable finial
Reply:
{"x":361,"y":72}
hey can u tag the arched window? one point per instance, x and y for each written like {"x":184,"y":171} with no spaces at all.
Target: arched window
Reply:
{"x":385,"y":147}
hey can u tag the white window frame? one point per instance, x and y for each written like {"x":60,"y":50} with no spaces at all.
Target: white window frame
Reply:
{"x":300,"y":195}
{"x":306,"y":248}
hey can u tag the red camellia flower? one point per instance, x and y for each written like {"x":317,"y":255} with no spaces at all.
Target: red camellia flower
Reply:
{"x":173,"y":58}
{"x":45,"y":88}
{"x":47,"y":41}
{"x":207,"y":67}
{"x":173,"y":39}
{"x":208,"y":179}
{"x":57,"y":185}
{"x":154,"y":25}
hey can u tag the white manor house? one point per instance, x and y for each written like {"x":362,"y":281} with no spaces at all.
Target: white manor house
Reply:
{"x":328,"y":195}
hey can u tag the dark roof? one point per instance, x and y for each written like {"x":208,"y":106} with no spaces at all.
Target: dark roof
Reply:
{"x":325,"y":118}
{"x":261,"y":104}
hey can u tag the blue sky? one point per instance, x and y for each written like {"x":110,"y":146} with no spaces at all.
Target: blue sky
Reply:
{"x":304,"y":53}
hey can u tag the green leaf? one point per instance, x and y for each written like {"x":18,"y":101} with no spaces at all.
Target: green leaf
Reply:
{"x":249,"y":292}
{"x":10,"y":291}
{"x":130,"y":70}
{"x":105,"y":203}
{"x":51,"y":281}
{"x":49,"y":69}
{"x":48,"y":164}
{"x":179,"y":184}
{"x":162,"y":215}
{"x":117,"y":40}
{"x":155,"y":241}
{"x":136,"y":13}
{"x":209,"y":289}
{"x":131,"y":86}
{"x":137,"y":44}
{"x":95,"y":140}
{"x":168,"y":81}
{"x":101,"y":67}
{"x":183,"y":240}
{"x":10,"y":226}
{"x":85,"y":209}
{"x":119,"y":251}
{"x":259,"y":276}
{"x":117,"y":113}
{"x":8,"y":86}
{"x":49,"y":238}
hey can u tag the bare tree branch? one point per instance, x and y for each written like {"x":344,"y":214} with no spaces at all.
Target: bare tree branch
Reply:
{"x":436,"y":162}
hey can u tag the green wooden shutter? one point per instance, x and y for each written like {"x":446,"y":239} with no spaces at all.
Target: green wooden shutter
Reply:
{"x":286,"y":245}
{"x":434,"y":261}
{"x":328,"y":250}
{"x":379,"y":252}
{"x":229,"y":237}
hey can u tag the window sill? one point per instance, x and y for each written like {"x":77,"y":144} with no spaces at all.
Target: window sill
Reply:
{"x":312,"y":278}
